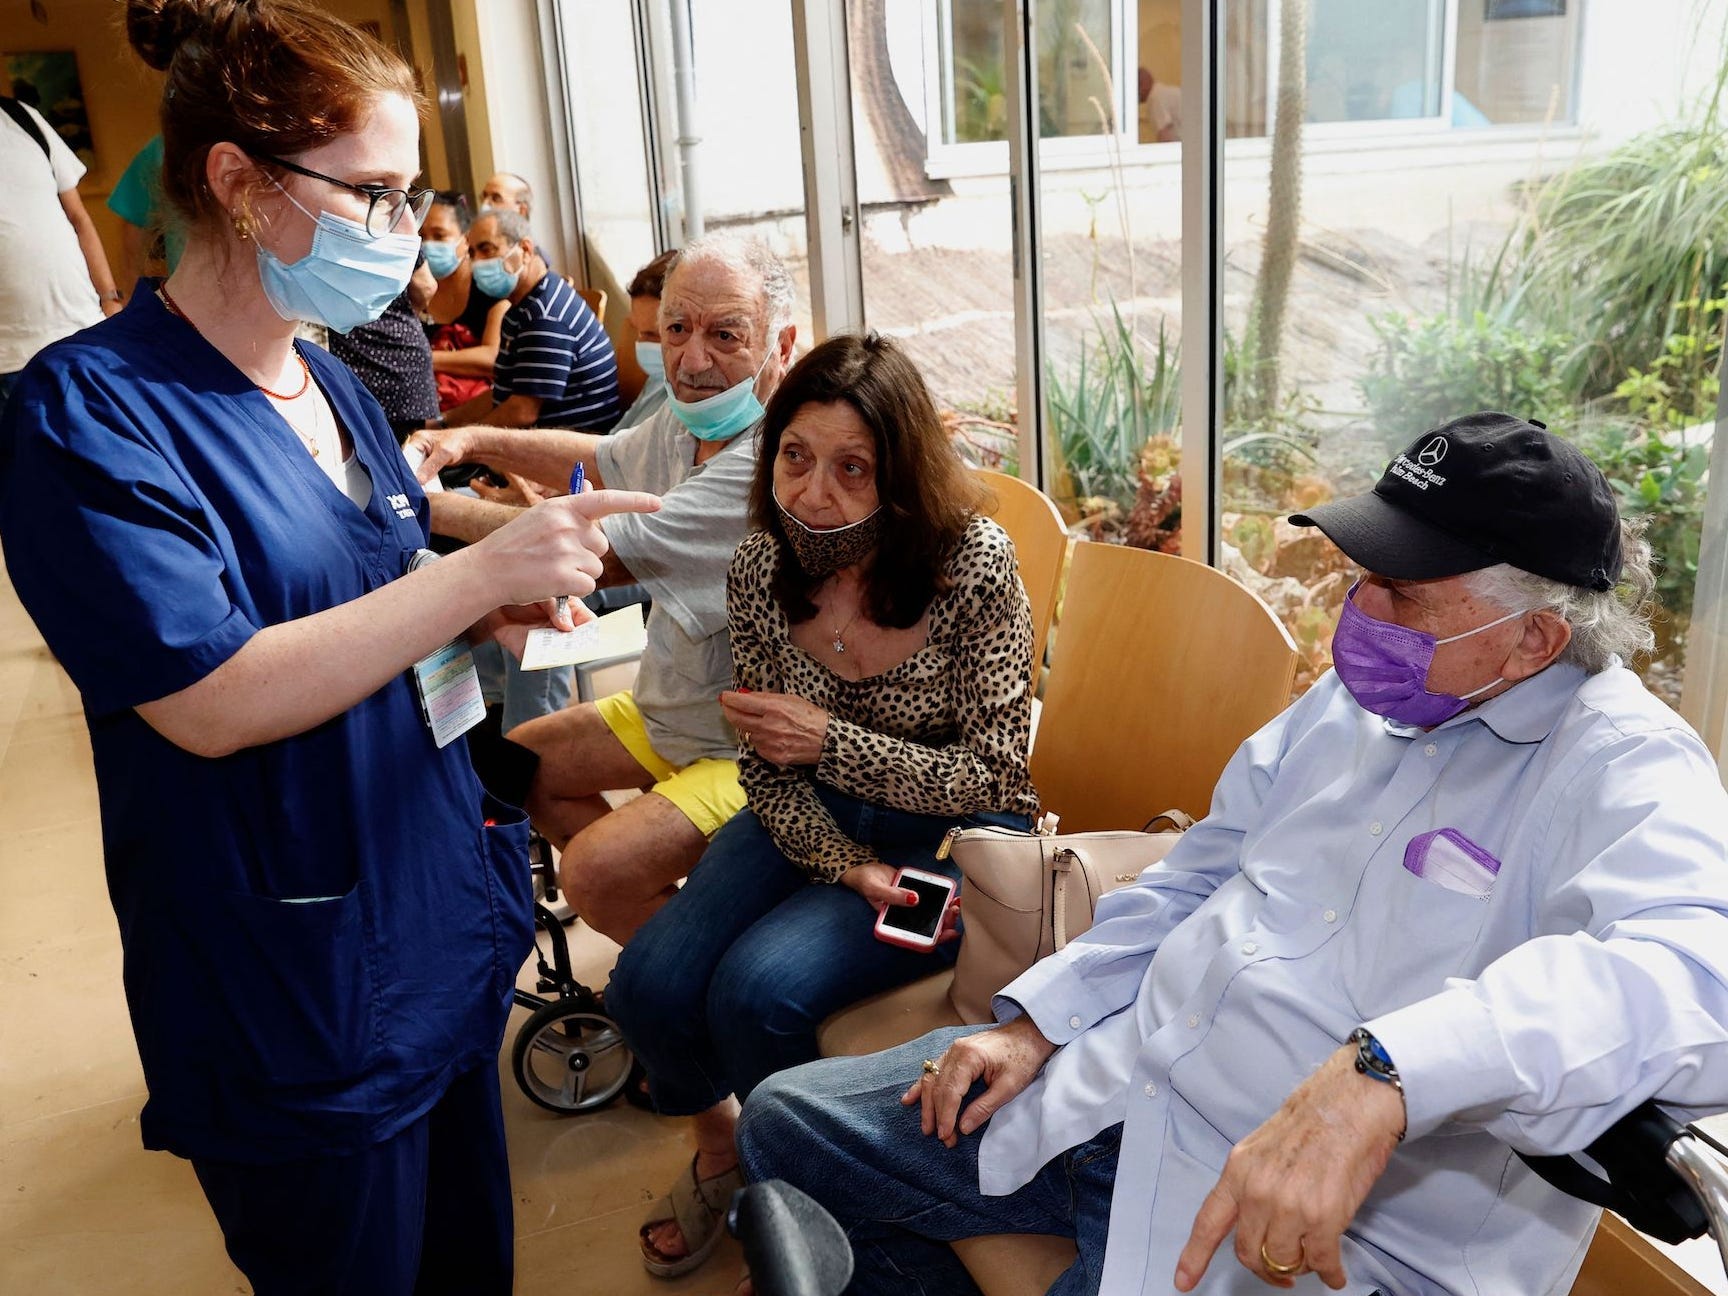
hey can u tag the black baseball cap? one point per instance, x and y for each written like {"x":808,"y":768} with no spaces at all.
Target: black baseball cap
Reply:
{"x":1484,"y":489}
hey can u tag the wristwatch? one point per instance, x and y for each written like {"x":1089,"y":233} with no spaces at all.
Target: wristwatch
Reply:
{"x":1374,"y":1061}
{"x":419,"y":558}
{"x":113,"y":294}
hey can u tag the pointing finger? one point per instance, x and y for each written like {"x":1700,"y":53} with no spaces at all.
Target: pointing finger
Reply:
{"x":604,"y":503}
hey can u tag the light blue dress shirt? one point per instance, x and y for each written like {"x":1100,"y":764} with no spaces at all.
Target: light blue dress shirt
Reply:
{"x":1593,"y":976}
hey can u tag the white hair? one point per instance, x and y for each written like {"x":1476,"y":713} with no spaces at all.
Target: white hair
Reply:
{"x":1605,"y":623}
{"x":753,"y":258}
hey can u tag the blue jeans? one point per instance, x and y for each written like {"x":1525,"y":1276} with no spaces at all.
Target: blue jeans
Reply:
{"x":524,"y":695}
{"x":836,"y":1130}
{"x":728,"y":982}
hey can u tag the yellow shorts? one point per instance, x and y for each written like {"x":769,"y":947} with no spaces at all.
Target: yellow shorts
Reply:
{"x":706,"y":792}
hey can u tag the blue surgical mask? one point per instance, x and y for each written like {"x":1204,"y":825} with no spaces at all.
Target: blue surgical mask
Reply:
{"x":347,"y":279}
{"x":493,"y":278}
{"x":652,"y":360}
{"x":723,"y":415}
{"x":441,"y":258}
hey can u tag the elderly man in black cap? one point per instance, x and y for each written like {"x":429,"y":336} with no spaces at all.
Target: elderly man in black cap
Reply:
{"x":1468,"y":895}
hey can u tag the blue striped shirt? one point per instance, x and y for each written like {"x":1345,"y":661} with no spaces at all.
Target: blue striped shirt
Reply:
{"x":553,"y":347}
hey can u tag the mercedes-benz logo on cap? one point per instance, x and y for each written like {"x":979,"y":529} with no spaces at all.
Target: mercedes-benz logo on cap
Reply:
{"x":1432,"y":453}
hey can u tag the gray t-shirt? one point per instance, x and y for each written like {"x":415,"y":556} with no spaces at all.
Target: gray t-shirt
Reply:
{"x":681,"y":554}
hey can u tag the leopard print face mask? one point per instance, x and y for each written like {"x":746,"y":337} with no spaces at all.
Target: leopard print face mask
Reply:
{"x":821,"y":553}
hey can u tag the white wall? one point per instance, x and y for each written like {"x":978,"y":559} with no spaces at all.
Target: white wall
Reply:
{"x":512,"y":116}
{"x":1642,"y":60}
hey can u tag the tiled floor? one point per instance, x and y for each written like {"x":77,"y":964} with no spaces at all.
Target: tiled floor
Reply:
{"x":83,"y":1208}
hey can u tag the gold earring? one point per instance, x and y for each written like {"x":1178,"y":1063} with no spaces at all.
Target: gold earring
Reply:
{"x":242,"y":227}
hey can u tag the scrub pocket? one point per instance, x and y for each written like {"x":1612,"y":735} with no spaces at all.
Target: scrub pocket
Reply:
{"x":1409,"y":934}
{"x":301,"y":988}
{"x":504,"y":850}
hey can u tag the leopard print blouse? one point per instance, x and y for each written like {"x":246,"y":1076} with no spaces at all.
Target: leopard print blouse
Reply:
{"x":945,"y":732}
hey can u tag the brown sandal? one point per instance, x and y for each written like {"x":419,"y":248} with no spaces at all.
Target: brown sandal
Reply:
{"x":698,"y":1207}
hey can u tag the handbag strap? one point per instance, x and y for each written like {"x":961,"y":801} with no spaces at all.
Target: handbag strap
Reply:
{"x":1179,"y":820}
{"x":1062,"y":865}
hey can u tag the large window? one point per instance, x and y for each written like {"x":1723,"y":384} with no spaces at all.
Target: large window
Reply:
{"x":1473,"y":203}
{"x":1384,"y":292}
{"x":1077,"y":70}
{"x":1375,"y":60}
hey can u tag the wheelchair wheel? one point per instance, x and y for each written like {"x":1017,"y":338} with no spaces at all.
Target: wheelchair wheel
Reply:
{"x":567,"y":1059}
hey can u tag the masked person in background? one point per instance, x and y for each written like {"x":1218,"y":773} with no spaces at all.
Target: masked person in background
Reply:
{"x":212,"y":526}
{"x":464,"y":325}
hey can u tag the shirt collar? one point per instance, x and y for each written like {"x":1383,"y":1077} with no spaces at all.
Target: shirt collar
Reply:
{"x":1525,"y":713}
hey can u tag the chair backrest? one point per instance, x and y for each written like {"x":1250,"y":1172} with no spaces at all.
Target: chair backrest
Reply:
{"x":1034,"y":524}
{"x":1162,"y":667}
{"x":596,"y":299}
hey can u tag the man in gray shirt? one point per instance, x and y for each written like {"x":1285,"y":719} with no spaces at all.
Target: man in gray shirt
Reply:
{"x":727,"y":336}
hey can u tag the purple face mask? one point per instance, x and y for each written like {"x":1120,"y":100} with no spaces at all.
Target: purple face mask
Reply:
{"x":1385,"y":667}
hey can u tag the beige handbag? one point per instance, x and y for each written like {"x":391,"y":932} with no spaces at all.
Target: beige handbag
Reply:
{"x":1027,"y":895}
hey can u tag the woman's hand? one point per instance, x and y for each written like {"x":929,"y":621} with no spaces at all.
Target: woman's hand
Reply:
{"x":778,"y":727}
{"x":875,"y":882}
{"x":554,"y":548}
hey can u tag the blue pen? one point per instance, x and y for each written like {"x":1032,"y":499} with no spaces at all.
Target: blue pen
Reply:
{"x":578,"y":479}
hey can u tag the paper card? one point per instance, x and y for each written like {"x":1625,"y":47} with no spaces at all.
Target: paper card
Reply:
{"x":617,"y":634}
{"x":449,"y":689}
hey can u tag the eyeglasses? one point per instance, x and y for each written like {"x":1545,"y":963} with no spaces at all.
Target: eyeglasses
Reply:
{"x":387,"y":206}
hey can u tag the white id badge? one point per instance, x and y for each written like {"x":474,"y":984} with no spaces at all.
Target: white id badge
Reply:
{"x":449,"y":689}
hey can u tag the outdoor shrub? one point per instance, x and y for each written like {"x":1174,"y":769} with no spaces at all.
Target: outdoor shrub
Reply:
{"x":1614,"y":249}
{"x":1659,"y":474}
{"x":1110,"y":404}
{"x":1429,"y":371}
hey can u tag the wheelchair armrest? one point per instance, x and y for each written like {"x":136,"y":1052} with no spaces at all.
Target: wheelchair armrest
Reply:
{"x":793,"y":1246}
{"x":1664,"y":1178}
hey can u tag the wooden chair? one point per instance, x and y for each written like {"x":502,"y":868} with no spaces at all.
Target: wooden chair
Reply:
{"x":1162,"y":668}
{"x":1034,"y":524}
{"x":596,"y":299}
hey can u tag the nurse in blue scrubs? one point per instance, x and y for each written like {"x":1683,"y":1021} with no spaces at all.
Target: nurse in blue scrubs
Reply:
{"x":213,"y":528}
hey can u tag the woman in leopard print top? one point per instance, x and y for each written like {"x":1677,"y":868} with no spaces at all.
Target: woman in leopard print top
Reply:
{"x":882,"y":651}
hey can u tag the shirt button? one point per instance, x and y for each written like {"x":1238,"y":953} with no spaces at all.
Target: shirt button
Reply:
{"x":1331,"y":915}
{"x":1074,"y":1022}
{"x":1249,"y":947}
{"x":1193,"y":1021}
{"x":1374,"y":829}
{"x":1151,"y":1091}
{"x":1430,"y":749}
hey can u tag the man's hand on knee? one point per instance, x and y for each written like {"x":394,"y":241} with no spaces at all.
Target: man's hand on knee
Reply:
{"x":1005,"y":1059}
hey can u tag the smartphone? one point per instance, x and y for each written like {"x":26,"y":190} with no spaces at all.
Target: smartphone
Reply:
{"x":916,"y":926}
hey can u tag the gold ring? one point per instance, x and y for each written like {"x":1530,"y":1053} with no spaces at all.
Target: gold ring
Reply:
{"x":1282,"y":1270}
{"x":930,"y":1068}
